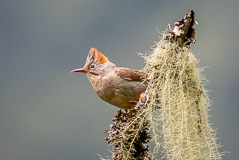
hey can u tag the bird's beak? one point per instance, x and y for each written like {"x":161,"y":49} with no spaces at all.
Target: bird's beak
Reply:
{"x":83,"y":70}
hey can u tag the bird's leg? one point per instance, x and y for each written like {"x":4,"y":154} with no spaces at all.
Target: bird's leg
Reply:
{"x":142,"y":97}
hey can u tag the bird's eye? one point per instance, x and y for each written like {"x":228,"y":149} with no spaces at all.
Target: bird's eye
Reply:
{"x":92,"y":66}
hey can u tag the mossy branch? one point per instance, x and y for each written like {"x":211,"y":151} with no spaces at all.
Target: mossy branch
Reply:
{"x":174,"y":109}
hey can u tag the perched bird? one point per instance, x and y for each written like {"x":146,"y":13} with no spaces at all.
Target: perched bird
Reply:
{"x":118,"y":86}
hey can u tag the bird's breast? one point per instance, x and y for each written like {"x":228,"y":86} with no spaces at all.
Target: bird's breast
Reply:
{"x":118,"y":92}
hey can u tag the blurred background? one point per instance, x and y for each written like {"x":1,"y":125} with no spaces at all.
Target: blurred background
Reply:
{"x":48,"y":113}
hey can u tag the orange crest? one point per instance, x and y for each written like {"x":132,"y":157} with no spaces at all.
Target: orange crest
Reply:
{"x":101,"y":57}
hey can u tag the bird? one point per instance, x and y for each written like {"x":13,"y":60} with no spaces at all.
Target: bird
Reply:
{"x":119,"y":86}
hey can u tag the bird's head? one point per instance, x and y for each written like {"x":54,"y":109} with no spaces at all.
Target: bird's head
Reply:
{"x":96,"y":63}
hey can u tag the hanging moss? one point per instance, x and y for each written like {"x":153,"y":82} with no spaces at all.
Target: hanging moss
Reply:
{"x":174,"y":110}
{"x":176,"y":86}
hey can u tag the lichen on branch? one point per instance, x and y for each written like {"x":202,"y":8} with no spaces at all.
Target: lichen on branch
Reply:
{"x":174,"y":110}
{"x":177,"y":86}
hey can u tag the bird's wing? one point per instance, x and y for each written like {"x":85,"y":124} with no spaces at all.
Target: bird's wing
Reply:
{"x":130,"y":74}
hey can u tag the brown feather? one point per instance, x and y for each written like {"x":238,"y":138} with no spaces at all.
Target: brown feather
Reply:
{"x":130,"y":74}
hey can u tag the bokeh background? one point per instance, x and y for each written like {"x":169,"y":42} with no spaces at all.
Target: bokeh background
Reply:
{"x":48,"y":113}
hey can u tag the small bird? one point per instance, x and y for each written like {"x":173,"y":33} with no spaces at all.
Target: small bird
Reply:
{"x":118,"y":86}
